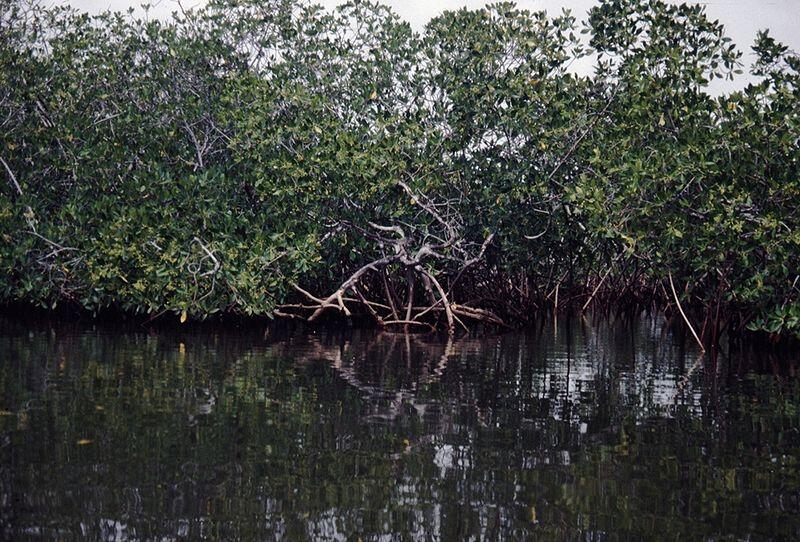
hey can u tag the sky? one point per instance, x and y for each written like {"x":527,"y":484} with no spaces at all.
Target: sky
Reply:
{"x":742,"y":18}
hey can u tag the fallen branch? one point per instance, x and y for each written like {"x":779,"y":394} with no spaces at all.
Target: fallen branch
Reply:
{"x":479,"y":314}
{"x":409,"y":322}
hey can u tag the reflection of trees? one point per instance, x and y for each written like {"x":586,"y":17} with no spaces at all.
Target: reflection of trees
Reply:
{"x":564,"y":372}
{"x":327,"y":434}
{"x":388,"y":369}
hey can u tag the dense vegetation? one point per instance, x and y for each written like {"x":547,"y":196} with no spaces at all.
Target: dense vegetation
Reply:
{"x":269,"y":157}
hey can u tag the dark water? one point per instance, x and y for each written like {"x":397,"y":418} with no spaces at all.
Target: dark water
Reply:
{"x":611,"y":431}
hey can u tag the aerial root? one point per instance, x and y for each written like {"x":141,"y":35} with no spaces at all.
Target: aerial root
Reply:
{"x":440,"y":314}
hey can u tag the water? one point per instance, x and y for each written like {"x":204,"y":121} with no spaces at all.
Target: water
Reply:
{"x":580,"y":431}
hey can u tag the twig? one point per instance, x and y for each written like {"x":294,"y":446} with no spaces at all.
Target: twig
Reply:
{"x":685,"y":319}
{"x":12,"y":177}
{"x":210,"y":255}
{"x":599,"y":284}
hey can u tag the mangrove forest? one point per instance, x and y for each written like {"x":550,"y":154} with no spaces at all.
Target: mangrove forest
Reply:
{"x":270,"y":157}
{"x":271,"y":270}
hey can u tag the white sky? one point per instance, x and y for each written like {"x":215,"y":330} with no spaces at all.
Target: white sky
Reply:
{"x":742,"y":18}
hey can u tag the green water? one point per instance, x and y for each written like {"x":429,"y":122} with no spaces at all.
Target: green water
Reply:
{"x":580,"y":431}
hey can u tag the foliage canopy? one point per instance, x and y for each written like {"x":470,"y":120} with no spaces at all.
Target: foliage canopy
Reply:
{"x":240,"y":157}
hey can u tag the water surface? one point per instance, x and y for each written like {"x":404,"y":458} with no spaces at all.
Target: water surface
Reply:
{"x":577,"y":431}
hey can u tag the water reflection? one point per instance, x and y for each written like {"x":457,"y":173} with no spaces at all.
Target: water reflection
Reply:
{"x":582,"y":430}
